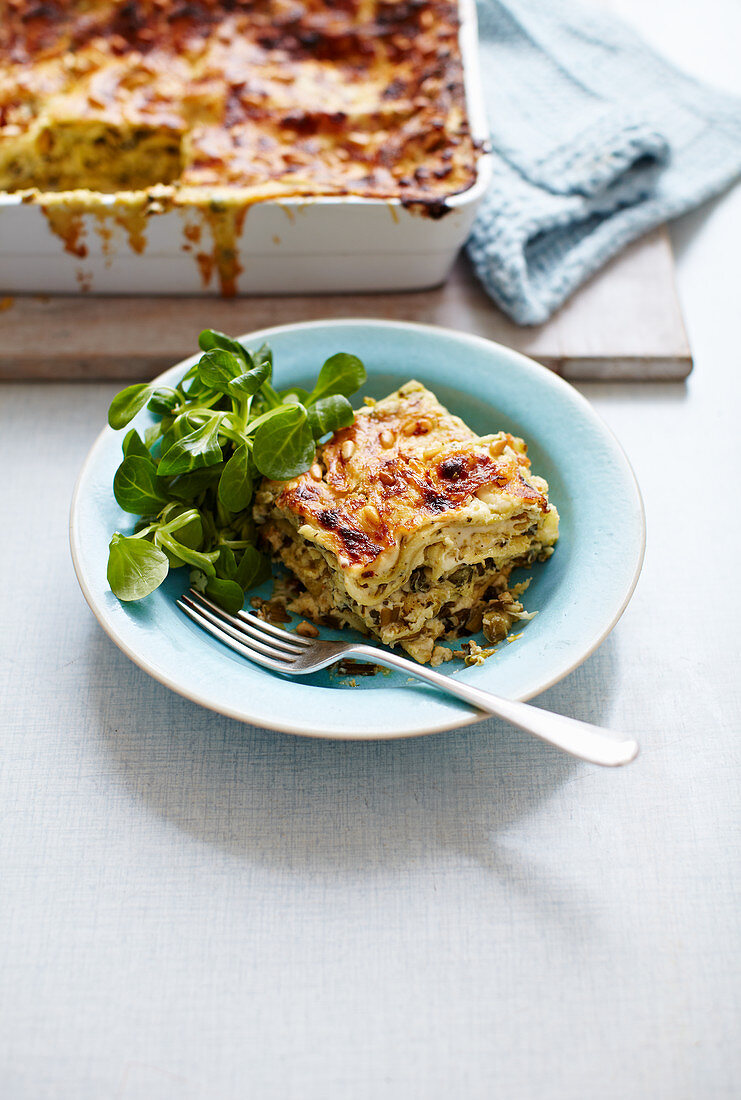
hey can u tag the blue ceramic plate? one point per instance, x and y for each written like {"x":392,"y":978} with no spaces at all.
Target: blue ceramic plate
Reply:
{"x":579,"y":594}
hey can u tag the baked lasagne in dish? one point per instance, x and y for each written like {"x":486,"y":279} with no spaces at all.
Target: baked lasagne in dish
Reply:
{"x":248,"y":99}
{"x":408,"y":526}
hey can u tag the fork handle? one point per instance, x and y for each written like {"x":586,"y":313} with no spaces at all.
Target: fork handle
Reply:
{"x":578,"y":738}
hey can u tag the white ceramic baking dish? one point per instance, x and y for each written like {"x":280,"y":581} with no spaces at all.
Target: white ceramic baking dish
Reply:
{"x":284,"y":246}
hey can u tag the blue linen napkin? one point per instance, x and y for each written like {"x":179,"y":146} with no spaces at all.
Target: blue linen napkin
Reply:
{"x":596,"y":140}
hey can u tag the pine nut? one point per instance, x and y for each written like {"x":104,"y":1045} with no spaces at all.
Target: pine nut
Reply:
{"x":369,"y":517}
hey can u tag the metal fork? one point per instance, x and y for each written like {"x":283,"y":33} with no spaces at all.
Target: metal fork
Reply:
{"x":293,"y":655}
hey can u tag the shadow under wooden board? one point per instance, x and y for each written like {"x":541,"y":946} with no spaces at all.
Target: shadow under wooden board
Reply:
{"x":625,"y":324}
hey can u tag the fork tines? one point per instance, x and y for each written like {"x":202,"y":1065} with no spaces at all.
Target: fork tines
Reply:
{"x":245,"y":633}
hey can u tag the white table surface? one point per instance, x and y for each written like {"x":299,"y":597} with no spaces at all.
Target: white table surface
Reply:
{"x":192,"y":908}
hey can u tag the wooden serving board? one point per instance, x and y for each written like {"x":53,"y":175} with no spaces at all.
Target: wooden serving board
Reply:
{"x":625,"y":324}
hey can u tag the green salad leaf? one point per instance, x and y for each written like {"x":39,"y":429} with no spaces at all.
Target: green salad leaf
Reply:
{"x":164,"y":401}
{"x":329,"y":414}
{"x":198,"y":448}
{"x":342,"y":373}
{"x":284,"y":445}
{"x":136,"y":487}
{"x":253,"y":569}
{"x":218,"y":367}
{"x":210,"y":339}
{"x":249,"y":383}
{"x":127,"y":403}
{"x":227,"y":594}
{"x":134,"y":446}
{"x":192,"y":474}
{"x":135,"y":567}
{"x":235,"y":483}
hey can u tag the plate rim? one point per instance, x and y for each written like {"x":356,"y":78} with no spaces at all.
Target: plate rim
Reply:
{"x":454,"y":721}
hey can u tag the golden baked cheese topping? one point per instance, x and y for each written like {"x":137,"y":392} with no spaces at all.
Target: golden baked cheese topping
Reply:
{"x":267,"y":97}
{"x":408,"y":526}
{"x":406,"y":465}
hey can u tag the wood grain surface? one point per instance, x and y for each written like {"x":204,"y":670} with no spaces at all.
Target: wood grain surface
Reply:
{"x":624,"y":324}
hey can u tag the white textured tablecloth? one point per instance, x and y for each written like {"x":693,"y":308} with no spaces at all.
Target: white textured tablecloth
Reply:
{"x":192,"y":908}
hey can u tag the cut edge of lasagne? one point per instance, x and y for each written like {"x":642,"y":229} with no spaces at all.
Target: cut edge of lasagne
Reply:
{"x":408,"y":526}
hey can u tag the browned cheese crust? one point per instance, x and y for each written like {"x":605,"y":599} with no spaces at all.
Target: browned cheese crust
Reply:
{"x":409,"y":524}
{"x":265,"y":97}
{"x":395,"y":468}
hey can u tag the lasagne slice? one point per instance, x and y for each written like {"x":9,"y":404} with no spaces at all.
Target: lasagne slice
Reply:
{"x":408,"y":526}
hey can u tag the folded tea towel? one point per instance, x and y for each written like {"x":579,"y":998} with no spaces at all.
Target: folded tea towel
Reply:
{"x":596,"y":140}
